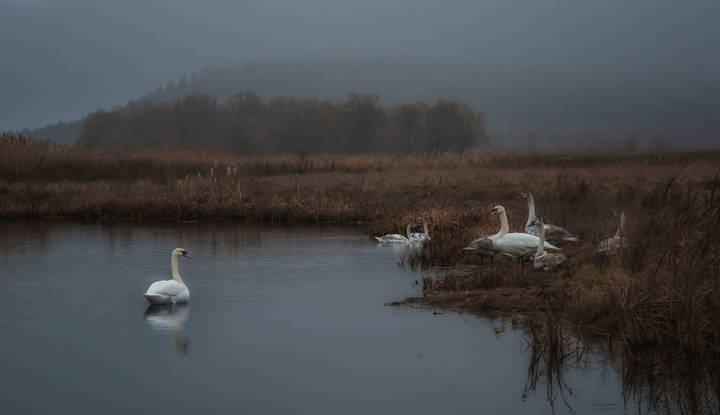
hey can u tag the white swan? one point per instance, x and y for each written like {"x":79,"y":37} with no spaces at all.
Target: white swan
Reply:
{"x":514,"y":244}
{"x":613,"y":245}
{"x":553,"y":233}
{"x":396,"y":238}
{"x":169,"y":291}
{"x":422,"y":236}
{"x":543,"y":260}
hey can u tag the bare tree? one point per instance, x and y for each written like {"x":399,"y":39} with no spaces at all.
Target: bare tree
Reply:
{"x":364,"y":117}
{"x":411,"y":118}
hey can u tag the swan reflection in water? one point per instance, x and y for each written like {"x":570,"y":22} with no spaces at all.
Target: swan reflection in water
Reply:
{"x":170,"y":318}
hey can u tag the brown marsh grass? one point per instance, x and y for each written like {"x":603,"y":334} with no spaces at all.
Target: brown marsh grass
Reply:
{"x":663,"y":290}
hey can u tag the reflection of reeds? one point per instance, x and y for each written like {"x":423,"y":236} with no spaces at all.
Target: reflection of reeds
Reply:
{"x":655,"y":379}
{"x":676,"y":382}
{"x":552,"y":348}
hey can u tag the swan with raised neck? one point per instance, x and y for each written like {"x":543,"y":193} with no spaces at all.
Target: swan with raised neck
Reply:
{"x":531,"y":208}
{"x":621,"y":227}
{"x":514,"y":244}
{"x":177,"y":252}
{"x":553,"y":233}
{"x":504,"y":227}
{"x":170,"y":291}
{"x":616,"y":243}
{"x":543,"y":260}
{"x":425,"y":235}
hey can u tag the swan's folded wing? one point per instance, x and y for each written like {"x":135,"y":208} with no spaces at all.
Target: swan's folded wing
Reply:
{"x":550,"y":261}
{"x":484,"y":244}
{"x":395,"y":237}
{"x":170,"y":288}
{"x":558,"y":233}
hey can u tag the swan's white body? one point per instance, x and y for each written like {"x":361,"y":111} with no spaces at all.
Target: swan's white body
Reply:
{"x":514,"y":244}
{"x":554,"y":234}
{"x":421,"y":236}
{"x":172,"y":291}
{"x":396,"y":238}
{"x":543,"y":260}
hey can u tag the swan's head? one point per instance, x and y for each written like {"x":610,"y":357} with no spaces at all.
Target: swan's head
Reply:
{"x":538,"y":222}
{"x":427,"y":217}
{"x":180,"y":252}
{"x":497,"y":210}
{"x":524,"y":195}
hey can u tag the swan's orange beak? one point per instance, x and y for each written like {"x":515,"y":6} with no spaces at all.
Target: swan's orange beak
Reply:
{"x":186,"y":255}
{"x":492,"y":212}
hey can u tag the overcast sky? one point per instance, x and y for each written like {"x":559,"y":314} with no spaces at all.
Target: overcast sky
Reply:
{"x":62,"y":59}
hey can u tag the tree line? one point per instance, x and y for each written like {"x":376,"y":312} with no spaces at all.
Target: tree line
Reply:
{"x":249,"y":125}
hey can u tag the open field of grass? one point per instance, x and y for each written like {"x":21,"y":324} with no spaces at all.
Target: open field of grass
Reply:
{"x":663,"y":290}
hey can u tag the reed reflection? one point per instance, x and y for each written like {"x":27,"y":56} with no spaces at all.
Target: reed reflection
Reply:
{"x":655,"y":380}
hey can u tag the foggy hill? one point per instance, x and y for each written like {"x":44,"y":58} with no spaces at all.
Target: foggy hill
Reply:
{"x":524,"y":107}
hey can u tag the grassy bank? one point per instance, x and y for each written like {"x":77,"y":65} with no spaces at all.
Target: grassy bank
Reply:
{"x":662,"y":290}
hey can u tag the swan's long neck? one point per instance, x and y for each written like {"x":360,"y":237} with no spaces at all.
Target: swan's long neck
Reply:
{"x":408,"y":230}
{"x":541,"y":240}
{"x":622,"y":224}
{"x":175,"y":272}
{"x":504,"y":228}
{"x":531,"y":208}
{"x":425,"y":227}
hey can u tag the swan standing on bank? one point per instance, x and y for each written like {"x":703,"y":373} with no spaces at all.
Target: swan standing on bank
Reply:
{"x":396,"y":238}
{"x":514,"y":244}
{"x":422,"y":236}
{"x":543,"y":260}
{"x":482,"y":246}
{"x":554,"y":234}
{"x":169,"y":291}
{"x":613,"y":245}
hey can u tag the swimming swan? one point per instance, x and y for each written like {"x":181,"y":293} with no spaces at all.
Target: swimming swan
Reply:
{"x":543,"y":260}
{"x":396,"y":238}
{"x":169,"y":291}
{"x":422,"y":236}
{"x":554,"y":234}
{"x":514,"y":244}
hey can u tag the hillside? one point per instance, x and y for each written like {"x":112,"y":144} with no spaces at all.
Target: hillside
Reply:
{"x":571,"y":111}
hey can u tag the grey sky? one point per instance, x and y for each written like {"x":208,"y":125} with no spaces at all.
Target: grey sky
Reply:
{"x":62,"y":59}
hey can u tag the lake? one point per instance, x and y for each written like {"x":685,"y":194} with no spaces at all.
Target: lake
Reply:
{"x":281,"y":319}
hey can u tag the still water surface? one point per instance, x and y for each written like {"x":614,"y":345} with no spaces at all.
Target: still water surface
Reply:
{"x":280,"y":320}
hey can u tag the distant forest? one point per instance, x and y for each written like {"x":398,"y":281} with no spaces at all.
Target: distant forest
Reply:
{"x":523,"y":109}
{"x":247,"y":124}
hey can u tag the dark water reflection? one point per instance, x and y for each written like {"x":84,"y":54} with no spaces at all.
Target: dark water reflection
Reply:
{"x":280,"y":320}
